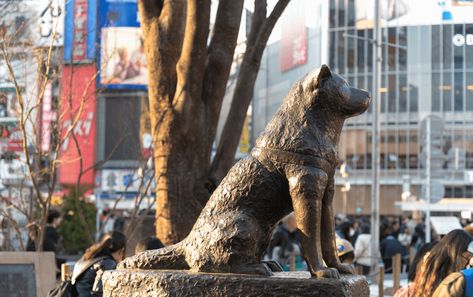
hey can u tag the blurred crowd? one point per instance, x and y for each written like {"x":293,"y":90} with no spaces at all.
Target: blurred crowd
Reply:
{"x":438,"y":268}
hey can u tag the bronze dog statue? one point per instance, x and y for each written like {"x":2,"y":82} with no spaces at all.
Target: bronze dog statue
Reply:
{"x":291,"y":168}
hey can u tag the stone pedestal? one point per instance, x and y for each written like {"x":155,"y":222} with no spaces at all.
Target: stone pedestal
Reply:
{"x":142,"y":283}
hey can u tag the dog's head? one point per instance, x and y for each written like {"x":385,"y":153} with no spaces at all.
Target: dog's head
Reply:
{"x":330,"y":91}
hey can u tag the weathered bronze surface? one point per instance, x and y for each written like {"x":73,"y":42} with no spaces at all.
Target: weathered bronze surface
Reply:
{"x":291,"y":168}
{"x":165,"y":283}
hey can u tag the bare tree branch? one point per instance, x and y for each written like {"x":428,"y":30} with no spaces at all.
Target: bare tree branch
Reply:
{"x":243,"y":93}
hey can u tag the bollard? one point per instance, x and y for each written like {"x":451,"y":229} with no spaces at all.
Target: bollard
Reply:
{"x":396,"y":272}
{"x":66,"y":271}
{"x":411,"y":254}
{"x":292,"y":262}
{"x":381,"y":281}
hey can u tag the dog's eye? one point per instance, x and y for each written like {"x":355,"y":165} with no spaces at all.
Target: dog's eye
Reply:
{"x":345,"y":92}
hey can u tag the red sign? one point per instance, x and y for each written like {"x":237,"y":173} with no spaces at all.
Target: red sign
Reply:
{"x":83,"y":82}
{"x":15,"y":140}
{"x":293,"y":38}
{"x":79,"y":48}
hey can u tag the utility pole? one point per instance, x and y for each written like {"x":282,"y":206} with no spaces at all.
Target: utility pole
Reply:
{"x":428,"y":179}
{"x":375,"y":164}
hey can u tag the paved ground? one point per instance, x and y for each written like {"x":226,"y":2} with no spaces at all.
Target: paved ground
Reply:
{"x":388,"y":283}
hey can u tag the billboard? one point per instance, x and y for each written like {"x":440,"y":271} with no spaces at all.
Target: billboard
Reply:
{"x":122,"y":59}
{"x":82,"y":92}
{"x":293,"y":43}
{"x":80,"y":31}
{"x":414,"y":12}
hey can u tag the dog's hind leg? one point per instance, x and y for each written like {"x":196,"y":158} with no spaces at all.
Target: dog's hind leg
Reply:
{"x":171,"y":257}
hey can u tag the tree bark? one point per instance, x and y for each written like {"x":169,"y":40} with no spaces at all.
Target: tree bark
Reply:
{"x":260,"y":31}
{"x":182,"y":99}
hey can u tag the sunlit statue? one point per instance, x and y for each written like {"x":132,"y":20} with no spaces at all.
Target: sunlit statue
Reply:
{"x":291,"y":168}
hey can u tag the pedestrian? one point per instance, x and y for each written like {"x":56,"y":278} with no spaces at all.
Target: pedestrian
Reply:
{"x":51,"y":236}
{"x":285,"y":242}
{"x":149,"y":243}
{"x":439,"y":274}
{"x":405,"y":239}
{"x":106,"y":254}
{"x":389,"y":247}
{"x":362,"y":249}
{"x":347,"y":230}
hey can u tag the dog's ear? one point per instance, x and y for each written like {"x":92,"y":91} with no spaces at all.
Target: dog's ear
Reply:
{"x":324,"y":73}
{"x":313,"y":79}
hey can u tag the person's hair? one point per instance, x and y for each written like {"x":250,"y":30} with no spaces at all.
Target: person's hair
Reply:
{"x":149,"y":243}
{"x":111,"y":242}
{"x":444,"y":258}
{"x":417,"y":261}
{"x":52,"y":215}
{"x":345,"y":229}
{"x":365,"y":229}
{"x":350,"y":256}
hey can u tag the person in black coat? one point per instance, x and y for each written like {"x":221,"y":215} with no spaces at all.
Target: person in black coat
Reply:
{"x":389,"y":247}
{"x":106,"y":254}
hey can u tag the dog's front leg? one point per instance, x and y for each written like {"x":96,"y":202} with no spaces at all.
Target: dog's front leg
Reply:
{"x":307,"y":187}
{"x":329,"y":249}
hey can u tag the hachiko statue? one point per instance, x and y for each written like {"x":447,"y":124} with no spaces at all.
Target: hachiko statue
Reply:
{"x":291,"y":168}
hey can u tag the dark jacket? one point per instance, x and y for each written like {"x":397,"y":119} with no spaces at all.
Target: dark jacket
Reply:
{"x":89,"y":283}
{"x":51,"y":239}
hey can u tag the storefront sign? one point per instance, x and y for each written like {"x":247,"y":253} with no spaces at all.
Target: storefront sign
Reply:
{"x":51,"y":22}
{"x":80,"y":34}
{"x":126,"y":181}
{"x":293,"y":38}
{"x":83,"y":82}
{"x":122,"y":59}
{"x":47,"y":117}
{"x":461,"y":40}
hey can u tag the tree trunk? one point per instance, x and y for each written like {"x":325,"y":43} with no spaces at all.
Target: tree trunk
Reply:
{"x":186,"y":85}
{"x":260,"y":31}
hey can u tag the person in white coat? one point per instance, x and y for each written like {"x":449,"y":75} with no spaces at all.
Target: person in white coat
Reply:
{"x":362,"y":249}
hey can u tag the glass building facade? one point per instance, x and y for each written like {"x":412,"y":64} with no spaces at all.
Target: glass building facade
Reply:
{"x":427,"y":69}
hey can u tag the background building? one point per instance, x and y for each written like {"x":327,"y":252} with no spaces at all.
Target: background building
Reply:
{"x":427,"y":69}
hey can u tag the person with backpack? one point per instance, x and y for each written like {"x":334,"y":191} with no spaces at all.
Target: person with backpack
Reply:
{"x":102,"y":256}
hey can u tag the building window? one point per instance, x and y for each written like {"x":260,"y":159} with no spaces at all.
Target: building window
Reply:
{"x":447,"y":34}
{"x":458,"y":91}
{"x":458,"y":50}
{"x":446,"y":90}
{"x":436,"y":47}
{"x":122,"y":126}
{"x":435,"y":92}
{"x":469,"y":90}
{"x":469,"y":49}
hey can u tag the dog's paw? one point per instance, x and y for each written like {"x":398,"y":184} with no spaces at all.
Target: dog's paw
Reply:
{"x":326,"y":273}
{"x":345,"y":269}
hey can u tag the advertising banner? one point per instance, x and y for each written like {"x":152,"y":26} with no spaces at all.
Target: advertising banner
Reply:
{"x":48,"y":116}
{"x":414,"y":12}
{"x":80,"y":31}
{"x":82,"y":92}
{"x":293,"y":38}
{"x":122,"y":60}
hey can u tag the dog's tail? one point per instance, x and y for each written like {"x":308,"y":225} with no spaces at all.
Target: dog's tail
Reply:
{"x":171,"y":257}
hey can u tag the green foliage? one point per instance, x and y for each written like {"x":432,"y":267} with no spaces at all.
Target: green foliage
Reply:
{"x":78,"y":224}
